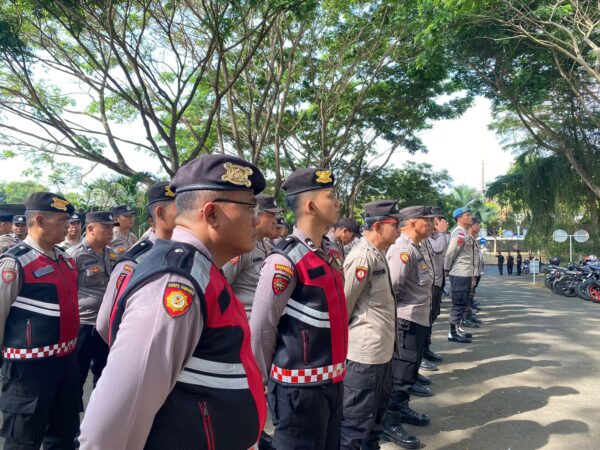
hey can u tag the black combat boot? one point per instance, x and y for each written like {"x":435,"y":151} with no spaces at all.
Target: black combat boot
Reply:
{"x":394,"y":431}
{"x":432,"y":356}
{"x":455,"y":336}
{"x":420,"y":391}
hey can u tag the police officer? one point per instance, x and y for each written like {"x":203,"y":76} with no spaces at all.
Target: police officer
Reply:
{"x":372,"y":325}
{"x":435,"y":246}
{"x":519,"y":262}
{"x":181,"y":374}
{"x":343,"y":233}
{"x":242,"y":272}
{"x":471,"y":319}
{"x":39,"y":320}
{"x":19,"y":227}
{"x":282,"y":230}
{"x":74,"y":232}
{"x":459,"y":265}
{"x":7,"y":238}
{"x":94,"y":260}
{"x":299,"y":320}
{"x":123,"y":237}
{"x":161,"y":207}
{"x":412,"y":281}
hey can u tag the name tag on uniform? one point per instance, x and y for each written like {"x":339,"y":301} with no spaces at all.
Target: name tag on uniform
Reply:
{"x":259,"y":259}
{"x":378,"y":272}
{"x":43,"y":271}
{"x":89,"y":263}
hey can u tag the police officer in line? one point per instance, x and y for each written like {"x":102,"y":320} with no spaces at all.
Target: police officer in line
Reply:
{"x":162,"y":210}
{"x":282,"y":230}
{"x":19,"y":227}
{"x":94,"y":260}
{"x":343,"y":234}
{"x":39,"y":321}
{"x":299,"y":320}
{"x":435,"y":247}
{"x":243,"y":271}
{"x":459,"y":265}
{"x":8,"y":239}
{"x":123,"y":238}
{"x":372,"y":329}
{"x":470,"y":320}
{"x":412,"y":281}
{"x":74,"y":232}
{"x":180,"y":368}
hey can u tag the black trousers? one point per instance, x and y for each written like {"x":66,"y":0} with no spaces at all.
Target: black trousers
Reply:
{"x":436,"y":308}
{"x":461,"y":298}
{"x":307,"y":417}
{"x":40,"y":403}
{"x":509,"y":269}
{"x":92,"y":352}
{"x":406,"y":361}
{"x":367,"y":390}
{"x":519,"y":268}
{"x":500,"y":268}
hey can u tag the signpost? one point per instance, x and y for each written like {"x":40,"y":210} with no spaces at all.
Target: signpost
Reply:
{"x":534,"y":267}
{"x":561,"y":236}
{"x":482,"y":241}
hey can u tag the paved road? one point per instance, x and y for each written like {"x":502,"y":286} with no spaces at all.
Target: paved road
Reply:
{"x":529,"y":380}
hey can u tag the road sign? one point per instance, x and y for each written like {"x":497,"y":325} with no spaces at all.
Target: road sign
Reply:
{"x":560,"y":235}
{"x":581,"y":236}
{"x":534,"y":266}
{"x":482,"y":241}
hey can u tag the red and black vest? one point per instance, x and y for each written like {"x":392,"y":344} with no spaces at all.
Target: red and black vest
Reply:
{"x":44,"y":318}
{"x":312,"y":340}
{"x":218,"y":401}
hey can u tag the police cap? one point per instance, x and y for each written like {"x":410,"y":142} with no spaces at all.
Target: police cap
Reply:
{"x":310,"y":179}
{"x":437,"y":211}
{"x":460,"y":211}
{"x":103,"y":217}
{"x":381,"y":208}
{"x":267,"y":203}
{"x":19,"y":220}
{"x":350,"y":224}
{"x":476,"y":220}
{"x":218,"y":172}
{"x":75,"y":217}
{"x":160,"y":192}
{"x":121,"y":210}
{"x":48,"y":201}
{"x":416,"y":212}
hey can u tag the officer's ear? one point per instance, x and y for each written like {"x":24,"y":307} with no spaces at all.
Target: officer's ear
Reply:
{"x":210,"y":213}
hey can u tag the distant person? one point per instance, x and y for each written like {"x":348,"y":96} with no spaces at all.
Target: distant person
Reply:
{"x":500,"y":262}
{"x":519,"y":262}
{"x":510,"y":262}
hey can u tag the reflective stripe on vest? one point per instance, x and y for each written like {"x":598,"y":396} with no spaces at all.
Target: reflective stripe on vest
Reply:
{"x":307,"y":315}
{"x":214,"y":374}
{"x":47,"y":309}
{"x":307,"y":376}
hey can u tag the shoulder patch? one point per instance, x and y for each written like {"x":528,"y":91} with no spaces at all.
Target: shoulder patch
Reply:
{"x":285,"y":269}
{"x":404,"y":257}
{"x":9,"y":275}
{"x":361,"y":273}
{"x":177,"y":299}
{"x":460,"y":241}
{"x":279,"y":283}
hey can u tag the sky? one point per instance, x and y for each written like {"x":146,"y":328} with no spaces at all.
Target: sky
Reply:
{"x":458,"y":145}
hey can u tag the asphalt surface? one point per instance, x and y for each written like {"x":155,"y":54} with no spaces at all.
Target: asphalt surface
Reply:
{"x":528,"y":380}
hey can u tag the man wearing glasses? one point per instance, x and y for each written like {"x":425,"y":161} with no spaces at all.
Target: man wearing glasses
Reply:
{"x":180,"y":372}
{"x":299,"y":320}
{"x":459,"y":265}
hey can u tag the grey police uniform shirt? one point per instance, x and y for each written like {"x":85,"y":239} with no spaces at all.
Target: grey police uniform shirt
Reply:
{"x":412,"y":280}
{"x":243,"y":272}
{"x":66,"y":244}
{"x":436,"y":246}
{"x":10,"y":281}
{"x":92,"y":280}
{"x":121,"y":270}
{"x":122,"y":243}
{"x":460,"y":256}
{"x":478,"y":257}
{"x":371,"y":305}
{"x":8,"y":241}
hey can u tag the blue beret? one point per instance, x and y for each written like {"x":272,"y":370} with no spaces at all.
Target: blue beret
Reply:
{"x":460,"y":211}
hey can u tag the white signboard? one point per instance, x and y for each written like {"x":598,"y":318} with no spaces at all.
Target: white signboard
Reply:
{"x":534,"y":266}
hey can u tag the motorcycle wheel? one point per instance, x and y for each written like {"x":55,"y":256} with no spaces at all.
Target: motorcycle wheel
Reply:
{"x":594,"y":292}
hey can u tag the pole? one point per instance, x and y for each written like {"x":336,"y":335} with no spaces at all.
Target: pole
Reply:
{"x":570,"y":248}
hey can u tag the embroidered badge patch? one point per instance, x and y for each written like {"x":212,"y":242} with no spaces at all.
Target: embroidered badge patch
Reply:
{"x":177,"y":299}
{"x":112,"y":255}
{"x":127,"y":268}
{"x":285,"y":269}
{"x":361,"y":273}
{"x":234,"y":260}
{"x":323,"y":176}
{"x":120,"y":249}
{"x":280,"y":283}
{"x":460,"y":241}
{"x":43,"y":271}
{"x":237,"y":175}
{"x":95,"y":269}
{"x":9,"y":275}
{"x":404,"y":257}
{"x":57,"y":203}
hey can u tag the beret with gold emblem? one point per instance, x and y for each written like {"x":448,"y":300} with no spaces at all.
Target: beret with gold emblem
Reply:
{"x":160,"y":192}
{"x":218,"y":172}
{"x":48,"y":201}
{"x":310,"y":179}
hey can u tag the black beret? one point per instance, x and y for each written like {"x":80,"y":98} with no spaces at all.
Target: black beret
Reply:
{"x":304,"y":180}
{"x":12,"y":209}
{"x":160,"y":192}
{"x":122,"y":210}
{"x":19,"y":220}
{"x":48,"y":201}
{"x":349,"y":223}
{"x":382,"y":208}
{"x":437,"y":211}
{"x":218,"y":172}
{"x":416,"y":212}
{"x":75,"y":217}
{"x":267,"y":203}
{"x":104,"y":217}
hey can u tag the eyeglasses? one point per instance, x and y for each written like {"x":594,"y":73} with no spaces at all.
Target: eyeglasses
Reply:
{"x":253,"y":206}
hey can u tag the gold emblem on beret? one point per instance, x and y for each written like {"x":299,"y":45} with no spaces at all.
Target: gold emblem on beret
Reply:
{"x":169,"y":192}
{"x":323,"y":176}
{"x":237,"y":175}
{"x":57,"y":203}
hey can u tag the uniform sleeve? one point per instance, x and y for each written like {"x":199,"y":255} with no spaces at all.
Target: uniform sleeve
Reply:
{"x":233,"y":268}
{"x":356,"y":277}
{"x":275,"y":286}
{"x":144,"y":362}
{"x":10,"y":284}
{"x":457,"y":240}
{"x":400,"y":261}
{"x":103,"y":320}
